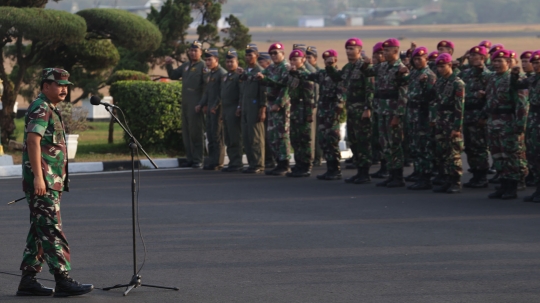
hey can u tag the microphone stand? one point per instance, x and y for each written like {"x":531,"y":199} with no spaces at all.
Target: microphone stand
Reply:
{"x":133,"y":145}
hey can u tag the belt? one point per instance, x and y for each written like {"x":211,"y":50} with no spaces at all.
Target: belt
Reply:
{"x":500,"y":111}
{"x":475,"y":106}
{"x":387,"y":94}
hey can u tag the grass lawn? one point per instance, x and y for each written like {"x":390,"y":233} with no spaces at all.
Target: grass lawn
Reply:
{"x":93,"y":146}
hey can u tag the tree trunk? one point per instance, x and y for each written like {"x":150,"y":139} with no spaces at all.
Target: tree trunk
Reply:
{"x":7,"y":123}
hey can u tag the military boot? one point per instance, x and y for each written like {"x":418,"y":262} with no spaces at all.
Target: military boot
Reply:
{"x":455,"y":185}
{"x":329,"y":168}
{"x":500,"y":191}
{"x":473,"y":180}
{"x":67,"y":287}
{"x":382,"y":173}
{"x":445,"y":186}
{"x":297,"y":167}
{"x":529,"y":180}
{"x":423,"y":183}
{"x":304,"y":170}
{"x":364,"y":177}
{"x":441,"y":177}
{"x":29,"y":286}
{"x":398,"y":180}
{"x":534,"y":195}
{"x":511,"y":190}
{"x":481,"y":180}
{"x":281,"y":169}
{"x":353,"y":178}
{"x":336,"y":171}
{"x":387,"y":181}
{"x":413,"y":177}
{"x":495,"y":180}
{"x":521,"y":185}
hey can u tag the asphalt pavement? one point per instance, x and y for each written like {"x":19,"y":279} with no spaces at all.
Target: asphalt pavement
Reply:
{"x":253,"y":238}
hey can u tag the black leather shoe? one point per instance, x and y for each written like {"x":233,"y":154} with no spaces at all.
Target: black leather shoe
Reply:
{"x":354,"y":177}
{"x":229,"y":169}
{"x":455,"y":185}
{"x":186,"y":164}
{"x":413,"y":177}
{"x":499,"y":193}
{"x":67,"y":287}
{"x":511,"y":190}
{"x":252,"y":170}
{"x":29,"y":286}
{"x":196,"y":165}
{"x":398,"y":180}
{"x":423,"y":183}
{"x":364,"y":177}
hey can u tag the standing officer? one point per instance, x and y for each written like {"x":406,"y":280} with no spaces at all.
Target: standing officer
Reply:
{"x":311,"y":58}
{"x":211,"y":104}
{"x":45,"y":177}
{"x":432,"y":58}
{"x":264,"y":61}
{"x":506,"y":125}
{"x":192,"y":75}
{"x":252,"y":110}
{"x":359,"y":98}
{"x":447,"y":118}
{"x":392,"y":97}
{"x":230,"y":96}
{"x":419,"y":96}
{"x":528,"y":71}
{"x":279,"y":107}
{"x":474,"y":128}
{"x":532,"y":135}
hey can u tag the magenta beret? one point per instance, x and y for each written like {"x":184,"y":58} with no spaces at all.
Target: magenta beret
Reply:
{"x":535,"y":56}
{"x":275,"y":46}
{"x":503,"y":53}
{"x":446,"y":43}
{"x":378,"y":47}
{"x":495,"y":48}
{"x":433,"y":55}
{"x":481,"y":50}
{"x":296,"y":53}
{"x":420,"y":51}
{"x":444,"y":59}
{"x":486,"y":44}
{"x":354,"y":42}
{"x":392,"y":42}
{"x":513,"y":54}
{"x":526,"y":55}
{"x":329,"y":53}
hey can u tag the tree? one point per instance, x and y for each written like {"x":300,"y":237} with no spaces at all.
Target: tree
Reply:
{"x":238,"y":34}
{"x":24,"y":21}
{"x":210,"y":11}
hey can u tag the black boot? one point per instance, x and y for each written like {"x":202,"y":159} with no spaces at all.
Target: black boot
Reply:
{"x":473,"y":180}
{"x":364,"y":177}
{"x":329,"y":169}
{"x":297,"y":167}
{"x":387,"y":181}
{"x":67,"y":287}
{"x":500,"y":191}
{"x":529,"y":180}
{"x":445,"y":186}
{"x":495,"y":179}
{"x":521,"y":185}
{"x":441,"y":178}
{"x":336,"y":171}
{"x":398,"y":179}
{"x":382,"y":173}
{"x":534,"y":195}
{"x":353,"y":178}
{"x":281,"y":169}
{"x":29,"y":286}
{"x":413,"y":177}
{"x":304,"y":170}
{"x":511,"y":190}
{"x":423,"y":183}
{"x":479,"y":180}
{"x":455,"y":185}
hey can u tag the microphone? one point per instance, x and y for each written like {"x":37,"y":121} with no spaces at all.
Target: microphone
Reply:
{"x":95,"y":100}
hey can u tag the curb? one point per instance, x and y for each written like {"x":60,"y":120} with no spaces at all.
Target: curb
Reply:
{"x":92,"y":167}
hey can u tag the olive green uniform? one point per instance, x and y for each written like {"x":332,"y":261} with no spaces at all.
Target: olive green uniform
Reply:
{"x":230,"y":99}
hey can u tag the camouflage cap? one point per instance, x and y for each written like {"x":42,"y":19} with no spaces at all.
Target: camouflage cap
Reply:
{"x":57,"y":75}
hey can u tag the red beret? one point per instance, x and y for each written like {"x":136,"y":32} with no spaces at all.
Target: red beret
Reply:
{"x":274,"y":46}
{"x":526,"y":55}
{"x":444,"y":59}
{"x":378,"y":47}
{"x":391,"y":43}
{"x":535,"y":56}
{"x":503,"y":53}
{"x":512,"y":54}
{"x":495,"y":48}
{"x":433,"y":55}
{"x":486,"y":44}
{"x":481,"y":50}
{"x":296,"y":53}
{"x":446,"y":43}
{"x":420,"y":51}
{"x":329,"y":53}
{"x":354,"y":42}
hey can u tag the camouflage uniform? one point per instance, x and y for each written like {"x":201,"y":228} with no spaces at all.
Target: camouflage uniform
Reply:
{"x":317,"y":152}
{"x":358,"y":95}
{"x":214,"y":123}
{"x":475,"y":135}
{"x":46,"y":241}
{"x":279,"y":122}
{"x":419,"y":98}
{"x":392,"y":99}
{"x":507,"y":117}
{"x":446,"y":112}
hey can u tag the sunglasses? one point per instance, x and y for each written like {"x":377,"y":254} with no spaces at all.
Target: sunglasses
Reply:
{"x":274,"y":53}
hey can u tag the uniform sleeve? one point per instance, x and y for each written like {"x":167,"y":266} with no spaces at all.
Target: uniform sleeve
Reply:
{"x":309,"y":95}
{"x":174,"y":74}
{"x":262,"y":100}
{"x":370,"y":70}
{"x":38,"y":118}
{"x":402,"y":94}
{"x":459,"y":104}
{"x":204,"y":99}
{"x":334,"y":74}
{"x":522,"y":110}
{"x":518,"y":83}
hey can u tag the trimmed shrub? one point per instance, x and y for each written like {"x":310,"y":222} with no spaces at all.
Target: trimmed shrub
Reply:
{"x":123,"y":75}
{"x":153,"y":112}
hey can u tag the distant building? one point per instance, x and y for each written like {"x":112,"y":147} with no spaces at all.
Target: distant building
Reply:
{"x":311,"y":21}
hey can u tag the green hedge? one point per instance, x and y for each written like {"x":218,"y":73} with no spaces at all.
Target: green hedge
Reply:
{"x":123,"y":75}
{"x":153,"y":112}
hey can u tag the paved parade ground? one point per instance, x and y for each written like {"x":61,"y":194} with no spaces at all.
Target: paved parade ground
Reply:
{"x":242,"y":238}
